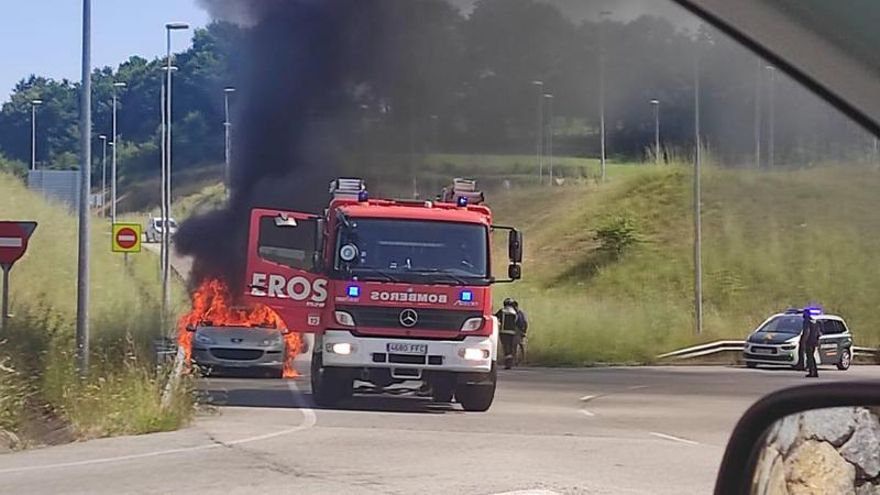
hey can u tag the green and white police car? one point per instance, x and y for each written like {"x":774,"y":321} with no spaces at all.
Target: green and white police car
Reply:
{"x":777,"y":340}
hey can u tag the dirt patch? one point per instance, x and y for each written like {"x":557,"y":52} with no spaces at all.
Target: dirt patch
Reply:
{"x":43,"y":427}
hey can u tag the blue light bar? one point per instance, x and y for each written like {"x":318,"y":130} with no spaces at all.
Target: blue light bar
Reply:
{"x":354,"y":291}
{"x":462,"y":201}
{"x":466,"y":296}
{"x":363,"y":196}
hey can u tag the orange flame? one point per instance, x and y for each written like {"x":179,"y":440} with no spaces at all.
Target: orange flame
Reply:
{"x":211,"y":305}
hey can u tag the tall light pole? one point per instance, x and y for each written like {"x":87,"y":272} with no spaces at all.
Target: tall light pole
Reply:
{"x":539,"y":156}
{"x":85,"y":153}
{"x":698,"y":222}
{"x":116,"y":86}
{"x":549,"y":98}
{"x":603,"y":15}
{"x":771,"y":144}
{"x":34,"y":105}
{"x":103,"y":139}
{"x":758,"y":87}
{"x":656,"y":104}
{"x":163,"y":190}
{"x":227,"y":125}
{"x":166,"y":241}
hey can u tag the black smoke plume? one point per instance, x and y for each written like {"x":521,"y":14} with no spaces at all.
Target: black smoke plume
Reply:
{"x":303,"y":63}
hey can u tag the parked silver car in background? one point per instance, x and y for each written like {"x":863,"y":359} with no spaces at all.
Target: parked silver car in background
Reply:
{"x":156,"y":229}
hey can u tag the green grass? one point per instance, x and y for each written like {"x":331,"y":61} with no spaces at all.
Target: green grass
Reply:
{"x":771,"y":240}
{"x":38,"y":348}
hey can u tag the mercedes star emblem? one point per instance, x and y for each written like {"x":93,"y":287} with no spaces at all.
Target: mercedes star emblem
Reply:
{"x":408,"y":318}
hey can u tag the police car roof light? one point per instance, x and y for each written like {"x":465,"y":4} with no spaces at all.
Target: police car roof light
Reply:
{"x":462,"y":201}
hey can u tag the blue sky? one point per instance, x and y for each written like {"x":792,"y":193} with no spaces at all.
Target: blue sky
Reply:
{"x":44,"y":37}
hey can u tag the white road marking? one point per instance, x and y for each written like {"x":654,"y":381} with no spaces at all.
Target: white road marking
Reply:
{"x":10,"y":242}
{"x":586,"y":413}
{"x":529,"y":492}
{"x":637,"y":387}
{"x":674,"y":439}
{"x":587,"y":398}
{"x":309,"y":420}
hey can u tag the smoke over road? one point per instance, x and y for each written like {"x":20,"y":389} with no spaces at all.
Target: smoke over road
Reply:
{"x":302,"y":61}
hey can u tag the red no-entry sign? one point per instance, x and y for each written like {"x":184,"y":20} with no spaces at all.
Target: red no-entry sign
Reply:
{"x":126,"y":238}
{"x":14,"y":241}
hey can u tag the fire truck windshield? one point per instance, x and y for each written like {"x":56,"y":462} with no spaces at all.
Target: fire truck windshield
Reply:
{"x":412,"y":250}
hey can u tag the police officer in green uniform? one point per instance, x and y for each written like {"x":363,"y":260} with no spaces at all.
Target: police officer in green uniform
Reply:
{"x":509,"y":333}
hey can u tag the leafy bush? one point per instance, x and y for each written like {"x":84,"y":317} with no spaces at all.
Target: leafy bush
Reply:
{"x":617,"y":233}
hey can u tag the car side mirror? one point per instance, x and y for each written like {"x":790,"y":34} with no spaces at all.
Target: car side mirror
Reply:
{"x":319,"y":245}
{"x":190,"y":328}
{"x":822,"y":438}
{"x":515,"y":246}
{"x":514,"y":272}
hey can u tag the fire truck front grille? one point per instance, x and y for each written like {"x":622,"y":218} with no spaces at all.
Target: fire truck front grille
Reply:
{"x":428,"y":319}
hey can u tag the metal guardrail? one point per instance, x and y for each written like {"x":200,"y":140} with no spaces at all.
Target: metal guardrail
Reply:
{"x":737,"y":346}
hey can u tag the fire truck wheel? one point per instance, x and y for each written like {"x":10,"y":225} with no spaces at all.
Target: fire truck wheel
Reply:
{"x":478,"y":396}
{"x":329,"y":385}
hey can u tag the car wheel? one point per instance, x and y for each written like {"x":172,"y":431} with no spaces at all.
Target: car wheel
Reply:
{"x":845,"y":360}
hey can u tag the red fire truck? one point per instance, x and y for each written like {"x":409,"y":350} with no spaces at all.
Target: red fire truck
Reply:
{"x":393,"y":290}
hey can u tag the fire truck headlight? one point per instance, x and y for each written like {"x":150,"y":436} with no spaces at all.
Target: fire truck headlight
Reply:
{"x":344,"y":318}
{"x":473,"y":324}
{"x":474,"y":354}
{"x":341,"y":348}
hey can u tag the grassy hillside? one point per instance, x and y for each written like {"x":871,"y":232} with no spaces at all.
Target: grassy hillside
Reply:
{"x":121,"y":395}
{"x":771,"y":240}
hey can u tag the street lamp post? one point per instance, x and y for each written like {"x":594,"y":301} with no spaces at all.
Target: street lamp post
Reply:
{"x":166,"y":241}
{"x":34,"y":105}
{"x":771,"y":143}
{"x":539,"y":156}
{"x":164,"y":156}
{"x":698,"y":215}
{"x":116,"y":86}
{"x":757,"y":116}
{"x":85,"y":153}
{"x":603,"y":15}
{"x":656,"y":104}
{"x":227,"y":124}
{"x":549,"y":98}
{"x":103,"y":139}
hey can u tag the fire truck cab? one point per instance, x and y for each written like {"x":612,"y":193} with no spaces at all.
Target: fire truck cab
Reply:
{"x":394,"y":290}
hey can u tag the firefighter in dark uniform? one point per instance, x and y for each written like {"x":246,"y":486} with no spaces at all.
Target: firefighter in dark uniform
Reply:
{"x":508,"y":332}
{"x":809,"y":341}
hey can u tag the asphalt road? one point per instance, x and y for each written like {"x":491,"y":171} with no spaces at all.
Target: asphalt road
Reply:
{"x":600,"y":430}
